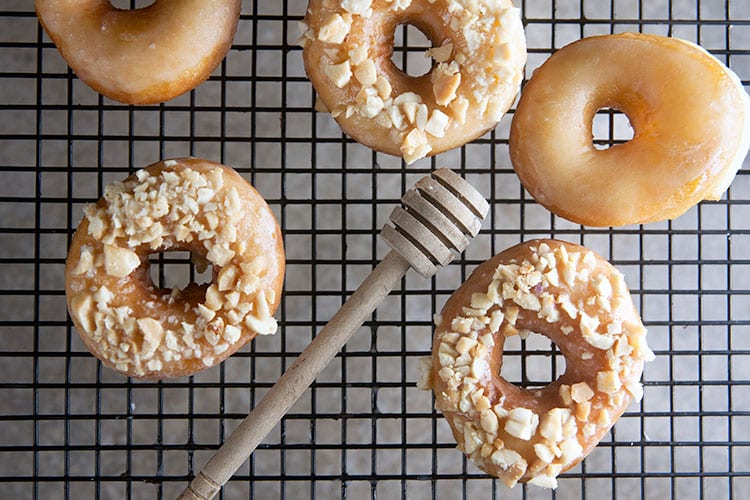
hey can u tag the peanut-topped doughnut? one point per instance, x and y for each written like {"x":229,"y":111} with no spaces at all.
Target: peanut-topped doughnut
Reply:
{"x":185,"y":204}
{"x":141,"y":56}
{"x":479,"y":53}
{"x":581,"y":303}
{"x":691,"y":129}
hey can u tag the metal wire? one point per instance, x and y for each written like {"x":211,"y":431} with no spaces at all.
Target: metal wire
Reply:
{"x":71,"y":428}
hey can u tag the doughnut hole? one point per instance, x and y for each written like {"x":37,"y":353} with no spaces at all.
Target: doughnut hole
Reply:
{"x":409,"y":46}
{"x":179,"y":269}
{"x":131,"y":4}
{"x":610,"y":127}
{"x":531,"y":363}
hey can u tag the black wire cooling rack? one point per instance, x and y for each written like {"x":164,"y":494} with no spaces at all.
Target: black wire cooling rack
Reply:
{"x":70,"y":428}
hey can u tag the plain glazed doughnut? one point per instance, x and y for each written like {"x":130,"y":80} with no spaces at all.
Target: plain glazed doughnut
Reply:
{"x":581,"y":303}
{"x":141,"y":56}
{"x":690,"y":116}
{"x":479,"y":53}
{"x":185,"y":204}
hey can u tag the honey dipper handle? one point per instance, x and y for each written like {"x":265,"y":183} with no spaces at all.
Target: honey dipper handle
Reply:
{"x":295,"y":380}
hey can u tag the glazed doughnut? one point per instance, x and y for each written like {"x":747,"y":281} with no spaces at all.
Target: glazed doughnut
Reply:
{"x":185,"y":204}
{"x":141,"y":56}
{"x":690,"y":117}
{"x":479,"y":53}
{"x":581,"y":303}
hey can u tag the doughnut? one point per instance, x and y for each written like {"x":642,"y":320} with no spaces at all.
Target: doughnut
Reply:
{"x":689,"y":115}
{"x":478,"y":58}
{"x":141,"y":56}
{"x":185,"y":204}
{"x":581,"y":303}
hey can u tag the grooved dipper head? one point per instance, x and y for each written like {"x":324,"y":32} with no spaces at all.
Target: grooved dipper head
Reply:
{"x":439,"y":215}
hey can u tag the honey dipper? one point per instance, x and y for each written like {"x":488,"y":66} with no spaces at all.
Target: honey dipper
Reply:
{"x":439,"y":215}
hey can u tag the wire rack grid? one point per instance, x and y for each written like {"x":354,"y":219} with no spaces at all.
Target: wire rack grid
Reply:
{"x":71,"y":428}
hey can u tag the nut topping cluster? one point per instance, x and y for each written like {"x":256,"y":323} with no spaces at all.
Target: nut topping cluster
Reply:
{"x":474,"y":67}
{"x":590,"y":308}
{"x":138,"y":328}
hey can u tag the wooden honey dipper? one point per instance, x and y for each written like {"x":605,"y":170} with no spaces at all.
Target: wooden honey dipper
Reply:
{"x":440,"y":215}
